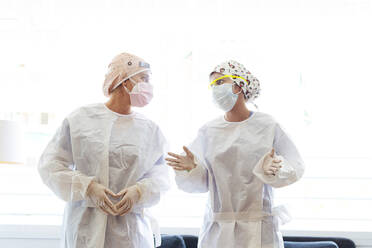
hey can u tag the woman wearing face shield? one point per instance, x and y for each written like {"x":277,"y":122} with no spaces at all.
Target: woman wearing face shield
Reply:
{"x":239,"y":159}
{"x":107,"y":162}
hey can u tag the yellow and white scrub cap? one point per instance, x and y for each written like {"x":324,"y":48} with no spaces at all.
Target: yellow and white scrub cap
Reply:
{"x":241,"y":77}
{"x":123,"y":66}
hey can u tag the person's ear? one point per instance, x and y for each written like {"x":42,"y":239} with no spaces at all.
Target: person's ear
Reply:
{"x":237,"y":89}
{"x":123,"y":86}
{"x":128,"y":84}
{"x":241,"y":95}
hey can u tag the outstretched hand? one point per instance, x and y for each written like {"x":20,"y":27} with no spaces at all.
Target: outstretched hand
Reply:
{"x":180,"y":162}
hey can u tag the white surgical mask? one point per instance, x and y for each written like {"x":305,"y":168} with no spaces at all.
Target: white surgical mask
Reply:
{"x":224,"y":97}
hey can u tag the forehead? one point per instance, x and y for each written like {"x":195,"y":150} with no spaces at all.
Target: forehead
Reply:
{"x":215,"y":75}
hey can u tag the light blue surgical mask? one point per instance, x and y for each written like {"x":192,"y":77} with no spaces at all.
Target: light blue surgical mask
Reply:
{"x":224,"y":97}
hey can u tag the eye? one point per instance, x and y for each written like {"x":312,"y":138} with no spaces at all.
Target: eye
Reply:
{"x":219,"y":82}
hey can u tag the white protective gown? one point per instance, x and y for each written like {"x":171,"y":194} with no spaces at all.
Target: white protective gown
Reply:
{"x":118,"y":151}
{"x":240,"y":211}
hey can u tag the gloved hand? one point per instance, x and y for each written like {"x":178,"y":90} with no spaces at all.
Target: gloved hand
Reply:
{"x":271,"y":164}
{"x":179,"y":162}
{"x":98,"y":195}
{"x":130,"y":196}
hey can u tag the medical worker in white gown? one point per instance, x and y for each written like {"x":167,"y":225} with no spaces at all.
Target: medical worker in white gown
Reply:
{"x":107,"y":162}
{"x":239,"y":159}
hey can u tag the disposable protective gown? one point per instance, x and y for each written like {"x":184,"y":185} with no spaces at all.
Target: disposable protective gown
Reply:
{"x":240,"y":211}
{"x":117,"y":151}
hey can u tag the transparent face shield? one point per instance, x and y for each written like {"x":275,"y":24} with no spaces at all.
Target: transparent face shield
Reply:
{"x":141,"y":77}
{"x":225,"y":80}
{"x":146,"y":78}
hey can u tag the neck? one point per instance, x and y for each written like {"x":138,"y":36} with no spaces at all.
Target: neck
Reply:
{"x":119,"y":104}
{"x":238,"y":113}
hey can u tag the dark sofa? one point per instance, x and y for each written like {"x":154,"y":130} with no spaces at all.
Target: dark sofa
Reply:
{"x":191,"y":241}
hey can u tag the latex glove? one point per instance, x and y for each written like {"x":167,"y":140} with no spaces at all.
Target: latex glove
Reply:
{"x":98,"y":195}
{"x":130,"y":196}
{"x":271,"y":164}
{"x":179,"y":162}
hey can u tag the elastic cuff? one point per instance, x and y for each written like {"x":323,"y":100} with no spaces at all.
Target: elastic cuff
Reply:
{"x":139,"y":192}
{"x":79,"y":186}
{"x":87,"y":200}
{"x":197,"y":171}
{"x":86,"y":181}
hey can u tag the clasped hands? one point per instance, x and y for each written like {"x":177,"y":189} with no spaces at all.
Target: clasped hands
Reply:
{"x":99,"y":195}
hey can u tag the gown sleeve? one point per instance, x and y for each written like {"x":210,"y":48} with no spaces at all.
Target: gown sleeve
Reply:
{"x":195,"y":180}
{"x":56,"y":167}
{"x":156,"y":180}
{"x":292,"y":164}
